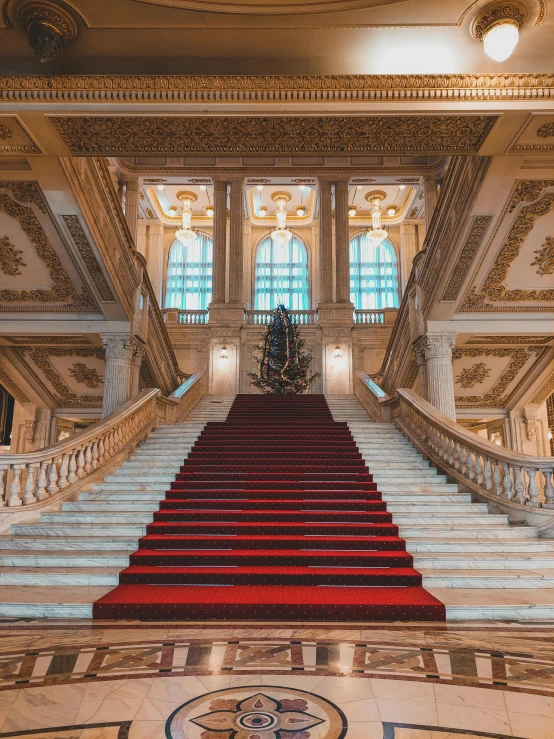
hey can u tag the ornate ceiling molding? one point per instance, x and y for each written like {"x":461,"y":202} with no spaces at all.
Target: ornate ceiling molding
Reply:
{"x":28,"y":340}
{"x":496,"y":397}
{"x":12,"y":388}
{"x":545,"y":392}
{"x":493,"y":290}
{"x":410,"y":88}
{"x":193,"y":135}
{"x":509,"y":340}
{"x":62,"y":395}
{"x":473,"y":241}
{"x":63,"y":290}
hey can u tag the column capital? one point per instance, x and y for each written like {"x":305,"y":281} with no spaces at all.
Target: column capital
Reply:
{"x":118,"y":346}
{"x":438,"y":346}
{"x":220,"y":185}
{"x":132,"y":185}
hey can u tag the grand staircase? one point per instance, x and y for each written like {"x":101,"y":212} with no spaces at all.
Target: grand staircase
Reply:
{"x":274,"y":533}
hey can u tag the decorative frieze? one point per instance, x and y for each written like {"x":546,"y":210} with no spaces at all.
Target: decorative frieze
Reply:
{"x":12,"y":388}
{"x":474,"y":239}
{"x":84,"y":248}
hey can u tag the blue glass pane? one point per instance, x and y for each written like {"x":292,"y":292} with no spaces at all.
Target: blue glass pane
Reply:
{"x":189,"y":274}
{"x":373,"y":274}
{"x":281,"y":275}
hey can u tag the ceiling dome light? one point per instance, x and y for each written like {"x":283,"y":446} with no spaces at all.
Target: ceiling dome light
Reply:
{"x":352,"y":211}
{"x":210,"y":211}
{"x":497,"y":26}
{"x":160,"y":187}
{"x":260,"y":187}
{"x":401,"y":187}
{"x":300,"y":210}
{"x":500,"y":40}
{"x":262,"y":210}
{"x":391,"y":210}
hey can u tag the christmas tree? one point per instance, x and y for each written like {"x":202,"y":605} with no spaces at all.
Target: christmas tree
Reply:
{"x":283,"y":368}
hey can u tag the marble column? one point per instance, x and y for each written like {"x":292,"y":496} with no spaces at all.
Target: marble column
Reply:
{"x":430,"y":195}
{"x":220,"y":242}
{"x":409,"y":247}
{"x":131,"y":206}
{"x":326,"y":241}
{"x":139,"y":350}
{"x":236,"y":249}
{"x":341,"y":242}
{"x":440,"y":377}
{"x":117,"y":374}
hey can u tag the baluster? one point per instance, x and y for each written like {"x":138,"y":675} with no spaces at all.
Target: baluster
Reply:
{"x":42,"y":493}
{"x":80,"y":464}
{"x":53,"y":477}
{"x":519,"y":487}
{"x":88,"y":459}
{"x":463,"y":452}
{"x":548,"y":489}
{"x":64,"y":469}
{"x":456,"y":455}
{"x":15,"y":487}
{"x":496,"y":479}
{"x":95,"y":454}
{"x":532,"y":489}
{"x":101,"y":458}
{"x":487,"y":474}
{"x":470,"y":464}
{"x":109,"y":445}
{"x":507,"y":482}
{"x":479,"y":470}
{"x":3,"y":468}
{"x":30,"y":496}
{"x":119,"y":437}
{"x":73,"y":467}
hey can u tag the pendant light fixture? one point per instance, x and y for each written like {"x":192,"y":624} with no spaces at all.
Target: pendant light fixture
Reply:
{"x":377,"y":234}
{"x":186,"y":234}
{"x":497,"y":26}
{"x":281,"y":235}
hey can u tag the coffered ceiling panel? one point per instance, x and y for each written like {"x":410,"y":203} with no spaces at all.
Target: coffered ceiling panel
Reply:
{"x":14,"y":139}
{"x":536,"y":136}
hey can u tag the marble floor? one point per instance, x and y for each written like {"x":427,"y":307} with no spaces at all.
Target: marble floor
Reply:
{"x":123,"y":680}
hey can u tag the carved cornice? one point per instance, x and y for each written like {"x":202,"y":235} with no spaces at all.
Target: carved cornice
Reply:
{"x":121,"y":135}
{"x":84,"y":248}
{"x":12,"y":388}
{"x":28,"y":340}
{"x":545,"y":392}
{"x":509,"y":340}
{"x":471,"y":245}
{"x":410,"y":88}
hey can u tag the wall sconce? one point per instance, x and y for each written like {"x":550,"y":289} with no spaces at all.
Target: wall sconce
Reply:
{"x":224,"y":353}
{"x":338,"y":353}
{"x":497,"y":26}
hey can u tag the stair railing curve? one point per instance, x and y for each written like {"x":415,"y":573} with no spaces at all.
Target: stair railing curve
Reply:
{"x":485,"y":467}
{"x":35,"y":478}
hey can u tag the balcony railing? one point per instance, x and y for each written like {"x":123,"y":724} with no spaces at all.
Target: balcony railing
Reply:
{"x":262,"y":317}
{"x":189,"y":317}
{"x":369,"y":316}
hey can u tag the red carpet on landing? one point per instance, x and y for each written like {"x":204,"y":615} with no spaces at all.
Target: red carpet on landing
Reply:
{"x":273,"y":516}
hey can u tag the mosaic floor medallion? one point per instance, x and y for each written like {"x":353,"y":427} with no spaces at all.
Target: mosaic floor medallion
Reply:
{"x":254,"y":713}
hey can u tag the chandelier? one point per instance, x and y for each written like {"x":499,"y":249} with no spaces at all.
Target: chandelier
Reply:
{"x":281,"y":235}
{"x":377,"y":234}
{"x":186,"y":234}
{"x":497,"y":26}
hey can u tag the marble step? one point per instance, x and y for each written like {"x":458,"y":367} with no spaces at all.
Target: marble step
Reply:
{"x":401,"y":472}
{"x":158,"y":457}
{"x":132,"y":486}
{"x":483,"y":560}
{"x":109,"y":506}
{"x":98,"y":517}
{"x":499,"y":545}
{"x":493,"y":579}
{"x":49,"y":602}
{"x":408,"y":497}
{"x":60,"y":558}
{"x":124,"y":476}
{"x":64,"y":576}
{"x":453,"y":532}
{"x":398,"y":465}
{"x":427,"y":487}
{"x":120,"y":497}
{"x":428,"y":507}
{"x":73,"y":529}
{"x":501,"y":604}
{"x":460,"y":519}
{"x":69,"y":544}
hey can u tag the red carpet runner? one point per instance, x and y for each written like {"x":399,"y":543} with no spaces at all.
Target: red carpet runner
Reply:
{"x":273,"y":516}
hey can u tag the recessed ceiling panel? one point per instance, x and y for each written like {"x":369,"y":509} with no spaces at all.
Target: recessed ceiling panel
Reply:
{"x":268,"y":7}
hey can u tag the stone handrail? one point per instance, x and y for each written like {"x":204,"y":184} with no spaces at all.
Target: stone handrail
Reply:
{"x":262,"y":317}
{"x":33,"y":478}
{"x":482,"y":466}
{"x":506,"y":474}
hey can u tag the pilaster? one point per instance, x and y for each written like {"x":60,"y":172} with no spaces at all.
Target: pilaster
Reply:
{"x":236,"y":246}
{"x":430,"y":193}
{"x":220,"y":245}
{"x":132,"y":206}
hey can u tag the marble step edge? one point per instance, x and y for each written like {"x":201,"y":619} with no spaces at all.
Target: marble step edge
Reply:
{"x":109,"y":505}
{"x":38,"y":544}
{"x":65,"y":530}
{"x":459,"y":533}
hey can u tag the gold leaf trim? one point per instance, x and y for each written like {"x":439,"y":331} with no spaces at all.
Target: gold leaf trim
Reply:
{"x":472,"y":243}
{"x":84,"y":248}
{"x":12,"y":388}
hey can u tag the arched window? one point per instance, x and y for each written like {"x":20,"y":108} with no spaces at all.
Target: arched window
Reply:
{"x":373,"y":274}
{"x":189,"y":274}
{"x":281,"y":275}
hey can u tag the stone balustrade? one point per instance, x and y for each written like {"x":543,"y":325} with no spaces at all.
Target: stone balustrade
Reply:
{"x":369,"y":316}
{"x":68,"y":465}
{"x":484,"y":467}
{"x":187,"y":317}
{"x":262,"y":317}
